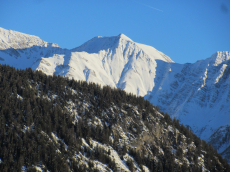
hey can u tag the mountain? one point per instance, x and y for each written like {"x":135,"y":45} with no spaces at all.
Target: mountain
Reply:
{"x":115,"y":61}
{"x":22,"y":50}
{"x":52,"y":123}
{"x":197,"y":94}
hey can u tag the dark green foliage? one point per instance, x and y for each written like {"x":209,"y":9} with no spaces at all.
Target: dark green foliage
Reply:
{"x":130,"y":165}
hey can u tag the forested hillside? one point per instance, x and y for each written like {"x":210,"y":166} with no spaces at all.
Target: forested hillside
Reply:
{"x":197,"y":94}
{"x":57,"y":124}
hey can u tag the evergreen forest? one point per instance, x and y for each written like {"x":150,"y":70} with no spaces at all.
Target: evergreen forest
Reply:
{"x":52,"y":123}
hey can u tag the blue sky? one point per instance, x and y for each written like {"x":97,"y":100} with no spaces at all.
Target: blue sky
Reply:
{"x":185,"y":30}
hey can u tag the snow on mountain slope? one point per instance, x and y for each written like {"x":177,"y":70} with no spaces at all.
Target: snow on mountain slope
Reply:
{"x":17,"y":40}
{"x":197,"y":94}
{"x":130,"y":65}
{"x":115,"y":61}
{"x":22,"y":50}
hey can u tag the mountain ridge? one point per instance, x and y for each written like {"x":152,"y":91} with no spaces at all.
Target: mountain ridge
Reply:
{"x":18,"y":40}
{"x":114,"y":60}
{"x":185,"y":91}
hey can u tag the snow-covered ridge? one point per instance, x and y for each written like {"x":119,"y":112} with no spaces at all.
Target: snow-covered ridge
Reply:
{"x":17,"y":40}
{"x":220,"y":57}
{"x":115,"y":61}
{"x":197,"y":94}
{"x":121,"y":41}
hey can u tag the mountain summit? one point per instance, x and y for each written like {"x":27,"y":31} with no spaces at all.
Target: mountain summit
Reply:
{"x":198,"y":94}
{"x":122,"y":43}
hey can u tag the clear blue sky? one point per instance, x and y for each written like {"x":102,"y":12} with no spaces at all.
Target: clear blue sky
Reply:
{"x":185,"y":30}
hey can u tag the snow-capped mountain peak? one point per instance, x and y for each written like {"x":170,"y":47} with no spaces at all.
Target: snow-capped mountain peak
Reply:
{"x":122,"y":36}
{"x":123,"y":43}
{"x":100,"y":43}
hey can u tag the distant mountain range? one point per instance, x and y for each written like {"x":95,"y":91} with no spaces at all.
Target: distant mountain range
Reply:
{"x":197,"y":94}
